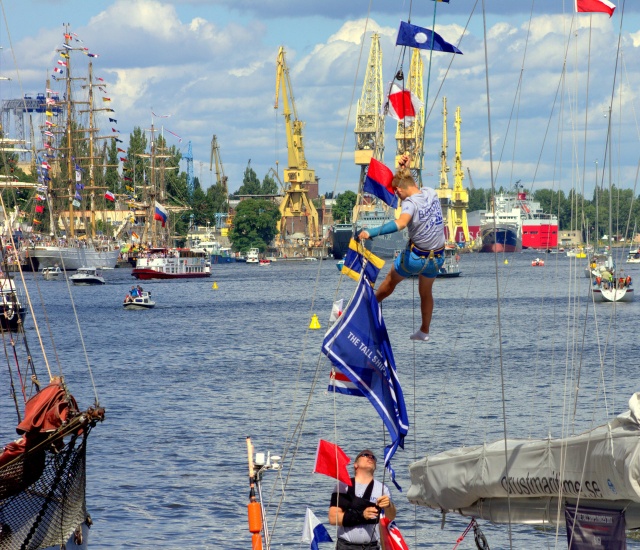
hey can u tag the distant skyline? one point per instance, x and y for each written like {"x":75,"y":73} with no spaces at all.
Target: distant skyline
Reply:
{"x":211,"y":65}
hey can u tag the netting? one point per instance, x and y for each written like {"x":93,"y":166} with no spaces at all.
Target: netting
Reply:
{"x":42,"y":496}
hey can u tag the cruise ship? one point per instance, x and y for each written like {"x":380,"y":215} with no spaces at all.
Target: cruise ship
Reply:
{"x":519,"y":221}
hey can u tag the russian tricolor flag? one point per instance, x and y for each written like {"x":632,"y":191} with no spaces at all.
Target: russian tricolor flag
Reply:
{"x":378,"y":183}
{"x":161,"y":214}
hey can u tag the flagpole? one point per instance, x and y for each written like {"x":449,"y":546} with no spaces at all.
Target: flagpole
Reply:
{"x":426,"y":98}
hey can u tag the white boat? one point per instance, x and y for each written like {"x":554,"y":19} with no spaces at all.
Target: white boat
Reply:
{"x":87,"y":276}
{"x":253,"y":256}
{"x":634,"y":256}
{"x":172,"y":263}
{"x":143,"y":301}
{"x":450,"y":268}
{"x":50,"y":273}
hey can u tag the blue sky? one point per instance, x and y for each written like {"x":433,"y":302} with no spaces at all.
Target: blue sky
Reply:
{"x":211,"y":64}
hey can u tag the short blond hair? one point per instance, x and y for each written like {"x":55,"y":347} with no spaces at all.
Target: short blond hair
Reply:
{"x":403,"y":178}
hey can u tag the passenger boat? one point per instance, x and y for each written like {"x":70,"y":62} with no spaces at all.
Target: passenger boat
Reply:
{"x":172,"y":263}
{"x":253,"y":256}
{"x":50,"y":273}
{"x":143,"y":301}
{"x":87,"y":276}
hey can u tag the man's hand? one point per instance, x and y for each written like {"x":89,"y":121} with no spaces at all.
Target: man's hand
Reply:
{"x":371,"y":512}
{"x":383,"y":502}
{"x":363,"y":235}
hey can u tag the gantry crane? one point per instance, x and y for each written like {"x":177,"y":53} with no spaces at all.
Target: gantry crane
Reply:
{"x":460,"y":200}
{"x":297,"y":175}
{"x":369,"y":130}
{"x":221,"y":179}
{"x":190,"y":181}
{"x":444,"y":190}
{"x":410,"y":132}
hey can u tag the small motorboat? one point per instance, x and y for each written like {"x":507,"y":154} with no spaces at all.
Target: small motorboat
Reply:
{"x":142,"y":301}
{"x":87,"y":276}
{"x":51,"y":273}
{"x":537,"y":263}
{"x":264,"y":262}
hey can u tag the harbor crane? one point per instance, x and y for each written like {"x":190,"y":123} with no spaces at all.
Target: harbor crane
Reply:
{"x":297,"y":175}
{"x":460,"y":199}
{"x":221,"y":179}
{"x":410,"y":131}
{"x":444,"y":190}
{"x":189,"y":158}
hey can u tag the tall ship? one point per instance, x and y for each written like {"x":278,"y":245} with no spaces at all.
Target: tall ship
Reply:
{"x":160,"y":260}
{"x":70,"y":183}
{"x":519,"y":223}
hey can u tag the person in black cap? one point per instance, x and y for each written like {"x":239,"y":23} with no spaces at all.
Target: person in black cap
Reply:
{"x":355,"y":508}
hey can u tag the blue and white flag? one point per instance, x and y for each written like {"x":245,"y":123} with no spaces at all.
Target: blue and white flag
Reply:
{"x":425,"y":39}
{"x":314,"y":532}
{"x":358,"y":345}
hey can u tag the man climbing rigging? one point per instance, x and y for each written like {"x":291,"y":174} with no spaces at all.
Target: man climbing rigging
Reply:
{"x":356,"y":508}
{"x":424,"y":255}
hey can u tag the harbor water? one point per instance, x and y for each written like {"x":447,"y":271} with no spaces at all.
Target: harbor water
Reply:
{"x":185,"y":383}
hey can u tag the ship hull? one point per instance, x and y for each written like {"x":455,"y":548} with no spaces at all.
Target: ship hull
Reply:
{"x":539,"y":236}
{"x":500,"y":239}
{"x":341,"y":234}
{"x":72,"y":258}
{"x":146,"y":274}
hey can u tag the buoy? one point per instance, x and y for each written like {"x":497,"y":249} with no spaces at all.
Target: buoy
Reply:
{"x":314,"y":322}
{"x":506,"y":262}
{"x":214,"y":286}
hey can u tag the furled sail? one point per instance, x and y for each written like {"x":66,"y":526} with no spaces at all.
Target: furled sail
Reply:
{"x":600,"y":467}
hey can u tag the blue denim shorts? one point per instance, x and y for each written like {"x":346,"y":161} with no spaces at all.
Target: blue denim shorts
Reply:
{"x":409,"y":264}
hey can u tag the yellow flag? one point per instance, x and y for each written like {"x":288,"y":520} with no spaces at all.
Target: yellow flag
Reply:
{"x":49,"y":113}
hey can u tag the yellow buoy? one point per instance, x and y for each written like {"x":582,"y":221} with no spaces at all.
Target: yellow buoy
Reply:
{"x":314,"y":322}
{"x":214,"y":286}
{"x":506,"y":262}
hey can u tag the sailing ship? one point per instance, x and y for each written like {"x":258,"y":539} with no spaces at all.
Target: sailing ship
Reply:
{"x":159,"y":260}
{"x":68,"y":172}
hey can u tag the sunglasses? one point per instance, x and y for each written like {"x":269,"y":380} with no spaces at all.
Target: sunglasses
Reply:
{"x":368,"y":455}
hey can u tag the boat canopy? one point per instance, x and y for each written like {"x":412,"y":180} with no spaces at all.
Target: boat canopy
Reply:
{"x":600,"y":467}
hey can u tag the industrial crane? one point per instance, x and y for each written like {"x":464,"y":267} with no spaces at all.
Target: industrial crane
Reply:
{"x":460,"y":200}
{"x":410,"y":132}
{"x":444,"y":191}
{"x":221,"y":179}
{"x":297,"y":175}
{"x":189,"y":158}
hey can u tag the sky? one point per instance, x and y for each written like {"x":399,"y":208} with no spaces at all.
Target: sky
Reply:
{"x":211,"y":65}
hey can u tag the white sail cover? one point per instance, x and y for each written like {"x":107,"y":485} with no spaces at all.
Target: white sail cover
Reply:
{"x":600,"y":467}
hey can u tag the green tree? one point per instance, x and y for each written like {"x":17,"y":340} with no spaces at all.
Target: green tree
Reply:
{"x":255,"y":224}
{"x":343,"y":207}
{"x":478,"y":199}
{"x":250,"y":183}
{"x":269,"y":186}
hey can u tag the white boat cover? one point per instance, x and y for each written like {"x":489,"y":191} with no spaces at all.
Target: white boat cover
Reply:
{"x":600,"y":467}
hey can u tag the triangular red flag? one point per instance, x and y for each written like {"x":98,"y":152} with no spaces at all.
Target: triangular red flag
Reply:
{"x":332,"y":461}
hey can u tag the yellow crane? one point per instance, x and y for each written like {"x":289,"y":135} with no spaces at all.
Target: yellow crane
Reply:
{"x":444,"y":190}
{"x":460,"y":199}
{"x":369,"y":130}
{"x":221,"y":179}
{"x":409,"y":133}
{"x":297,"y":175}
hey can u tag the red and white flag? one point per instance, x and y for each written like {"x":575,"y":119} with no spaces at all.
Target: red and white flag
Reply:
{"x":109,"y":196}
{"x":402,"y":103}
{"x":391,"y":535}
{"x":332,"y":461}
{"x":588,"y":6}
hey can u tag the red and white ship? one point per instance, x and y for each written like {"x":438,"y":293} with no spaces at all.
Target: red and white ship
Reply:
{"x":537,"y":229}
{"x":172,"y":263}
